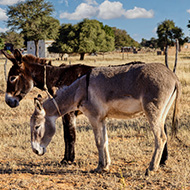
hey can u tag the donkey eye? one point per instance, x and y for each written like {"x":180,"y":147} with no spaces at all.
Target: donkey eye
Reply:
{"x":13,"y":78}
{"x":37,"y":127}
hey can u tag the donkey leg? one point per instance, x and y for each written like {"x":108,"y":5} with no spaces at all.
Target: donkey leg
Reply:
{"x":165,"y":151}
{"x":160,"y":141}
{"x":107,"y":159}
{"x":101,"y":139}
{"x":69,"y":136}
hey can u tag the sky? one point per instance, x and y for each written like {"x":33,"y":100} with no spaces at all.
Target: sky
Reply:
{"x":140,"y":18}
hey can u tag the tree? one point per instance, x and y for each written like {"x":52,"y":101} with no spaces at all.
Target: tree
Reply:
{"x":13,"y":38}
{"x":188,"y":26}
{"x":152,"y":43}
{"x":65,"y":41}
{"x":93,"y":37}
{"x":164,"y":32}
{"x":167,"y":34}
{"x":109,"y":30}
{"x":34,"y":20}
{"x":1,"y":43}
{"x":123,"y":39}
{"x":88,"y":36}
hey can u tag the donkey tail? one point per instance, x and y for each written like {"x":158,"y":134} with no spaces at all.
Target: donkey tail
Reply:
{"x":176,"y":109}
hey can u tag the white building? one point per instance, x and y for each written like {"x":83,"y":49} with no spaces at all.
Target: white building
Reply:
{"x":43,"y":48}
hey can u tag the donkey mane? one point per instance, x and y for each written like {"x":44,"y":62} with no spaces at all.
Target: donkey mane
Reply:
{"x":31,"y":59}
{"x":128,"y":64}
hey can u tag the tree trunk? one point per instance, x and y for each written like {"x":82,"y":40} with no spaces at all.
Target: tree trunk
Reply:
{"x":176,"y":55}
{"x":82,"y":56}
{"x":36,"y":48}
{"x":166,"y":56}
{"x":123,"y":55}
{"x":61,"y":56}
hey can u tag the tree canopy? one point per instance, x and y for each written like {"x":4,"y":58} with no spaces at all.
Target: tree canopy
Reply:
{"x":188,"y":24}
{"x":1,"y":43}
{"x":13,"y":38}
{"x":92,"y":37}
{"x":152,"y":43}
{"x":33,"y":19}
{"x":65,"y":40}
{"x":167,"y":34}
{"x":123,"y":39}
{"x":87,"y":36}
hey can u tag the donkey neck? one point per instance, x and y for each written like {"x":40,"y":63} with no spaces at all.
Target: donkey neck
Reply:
{"x":36,"y":71}
{"x":67,"y":98}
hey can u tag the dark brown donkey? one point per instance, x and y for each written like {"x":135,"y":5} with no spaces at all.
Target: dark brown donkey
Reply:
{"x":28,"y":72}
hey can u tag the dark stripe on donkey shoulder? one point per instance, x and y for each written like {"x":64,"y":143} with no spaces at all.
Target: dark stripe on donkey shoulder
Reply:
{"x":87,"y":82}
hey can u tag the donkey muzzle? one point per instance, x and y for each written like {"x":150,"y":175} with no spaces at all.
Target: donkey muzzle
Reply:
{"x":39,"y":153}
{"x":37,"y":149}
{"x":11,"y":101}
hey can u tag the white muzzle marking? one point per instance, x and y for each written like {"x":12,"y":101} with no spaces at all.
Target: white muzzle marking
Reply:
{"x":37,"y":149}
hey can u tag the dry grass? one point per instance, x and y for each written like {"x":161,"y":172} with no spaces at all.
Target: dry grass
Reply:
{"x":130,"y":143}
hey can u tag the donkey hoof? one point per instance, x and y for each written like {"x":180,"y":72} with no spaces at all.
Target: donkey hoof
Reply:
{"x":66,"y":162}
{"x":100,"y":170}
{"x":162,"y":163}
{"x":97,"y":170}
{"x":150,"y":171}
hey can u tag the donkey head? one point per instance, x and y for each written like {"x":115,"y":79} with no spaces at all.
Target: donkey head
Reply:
{"x":19,"y":82}
{"x":42,"y":128}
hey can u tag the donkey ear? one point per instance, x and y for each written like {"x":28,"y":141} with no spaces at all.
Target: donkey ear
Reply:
{"x":38,"y":105}
{"x":18,"y":56}
{"x":9,"y":56}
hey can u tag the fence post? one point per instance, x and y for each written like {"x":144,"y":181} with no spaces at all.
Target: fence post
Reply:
{"x":176,"y":55}
{"x":166,"y":56}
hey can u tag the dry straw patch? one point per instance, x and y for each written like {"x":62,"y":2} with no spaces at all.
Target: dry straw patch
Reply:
{"x":131,"y":144}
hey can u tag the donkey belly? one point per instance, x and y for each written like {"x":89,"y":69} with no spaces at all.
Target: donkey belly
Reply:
{"x":124,"y":108}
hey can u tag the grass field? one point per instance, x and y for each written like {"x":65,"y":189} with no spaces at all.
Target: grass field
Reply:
{"x":131,"y":143}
